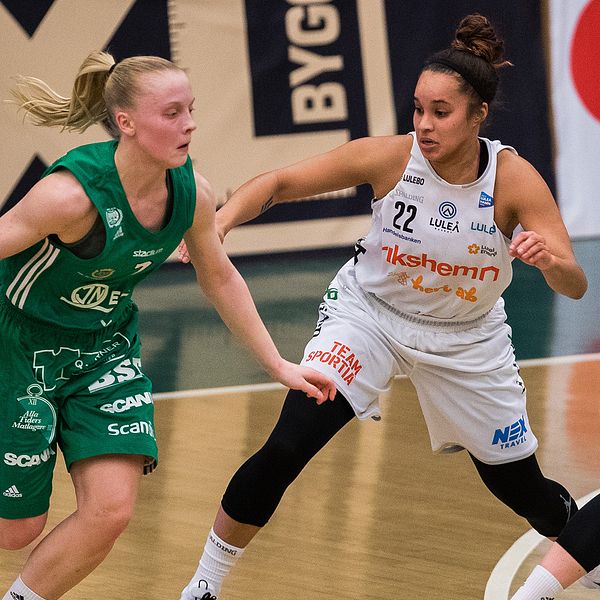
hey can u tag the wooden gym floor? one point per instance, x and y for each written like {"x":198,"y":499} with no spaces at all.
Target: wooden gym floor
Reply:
{"x":374,"y":516}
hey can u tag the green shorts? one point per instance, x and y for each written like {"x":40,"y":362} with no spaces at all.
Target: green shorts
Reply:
{"x":82,"y":391}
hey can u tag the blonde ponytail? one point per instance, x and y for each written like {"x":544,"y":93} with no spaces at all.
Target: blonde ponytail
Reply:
{"x":101,"y":87}
{"x":86,"y":106}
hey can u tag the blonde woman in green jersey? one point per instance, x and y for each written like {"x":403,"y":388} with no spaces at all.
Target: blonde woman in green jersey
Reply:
{"x":102,"y":218}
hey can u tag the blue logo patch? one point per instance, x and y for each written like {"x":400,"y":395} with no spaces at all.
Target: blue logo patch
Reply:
{"x":512,"y":435}
{"x":485,"y":200}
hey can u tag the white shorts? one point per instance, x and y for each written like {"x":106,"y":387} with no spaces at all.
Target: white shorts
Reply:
{"x":465,"y":374}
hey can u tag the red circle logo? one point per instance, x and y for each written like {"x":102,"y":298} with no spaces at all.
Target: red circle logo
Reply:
{"x":585,"y":57}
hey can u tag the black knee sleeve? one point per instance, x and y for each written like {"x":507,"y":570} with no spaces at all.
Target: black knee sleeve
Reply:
{"x":302,"y":430}
{"x":581,"y":537}
{"x":545,"y":503}
{"x":550,"y":520}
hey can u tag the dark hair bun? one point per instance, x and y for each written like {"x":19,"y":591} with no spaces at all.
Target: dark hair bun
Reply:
{"x":476,"y":35}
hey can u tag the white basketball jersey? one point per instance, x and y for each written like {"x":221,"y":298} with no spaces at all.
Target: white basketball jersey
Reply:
{"x":433,"y":249}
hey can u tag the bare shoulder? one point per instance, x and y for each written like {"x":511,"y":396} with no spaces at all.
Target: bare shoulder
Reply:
{"x":385,"y":145}
{"x":387,"y":160}
{"x":520,"y":192}
{"x":60,"y":198}
{"x":513,"y":168}
{"x":518,"y":180}
{"x":397,"y":147}
{"x":206,"y":205}
{"x":57,"y":204}
{"x":204,"y":191}
{"x":404,"y":142}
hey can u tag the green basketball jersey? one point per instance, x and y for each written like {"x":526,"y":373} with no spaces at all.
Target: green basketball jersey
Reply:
{"x":48,"y":282}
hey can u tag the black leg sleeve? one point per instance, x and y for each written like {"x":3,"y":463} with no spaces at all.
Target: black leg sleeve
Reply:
{"x":546,"y":504}
{"x":581,"y":537}
{"x":302,"y":430}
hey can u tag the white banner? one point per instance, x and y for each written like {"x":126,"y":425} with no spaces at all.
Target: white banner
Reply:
{"x":279,"y":80}
{"x":575,"y":57}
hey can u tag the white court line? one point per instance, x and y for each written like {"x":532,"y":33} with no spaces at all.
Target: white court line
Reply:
{"x":271,"y":386}
{"x":498,"y":585}
{"x":559,"y":360}
{"x":232,"y":389}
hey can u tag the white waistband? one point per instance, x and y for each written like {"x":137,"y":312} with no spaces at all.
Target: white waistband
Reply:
{"x":426,"y":322}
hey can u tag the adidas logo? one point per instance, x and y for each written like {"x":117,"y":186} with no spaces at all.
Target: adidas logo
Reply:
{"x":14,"y":595}
{"x":13,"y":492}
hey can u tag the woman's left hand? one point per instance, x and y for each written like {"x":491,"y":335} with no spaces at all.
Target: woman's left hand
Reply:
{"x":313,"y":383}
{"x":531,"y":248}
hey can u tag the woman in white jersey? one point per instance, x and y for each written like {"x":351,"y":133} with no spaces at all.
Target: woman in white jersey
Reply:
{"x":70,"y":366}
{"x":422,"y":298}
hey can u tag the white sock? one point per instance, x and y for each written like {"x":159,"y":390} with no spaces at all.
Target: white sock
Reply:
{"x":217,"y":560}
{"x":540,"y":585}
{"x":19,"y":591}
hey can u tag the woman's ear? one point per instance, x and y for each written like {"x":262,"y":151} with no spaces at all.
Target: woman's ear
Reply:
{"x":125,"y":123}
{"x":481,"y":113}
